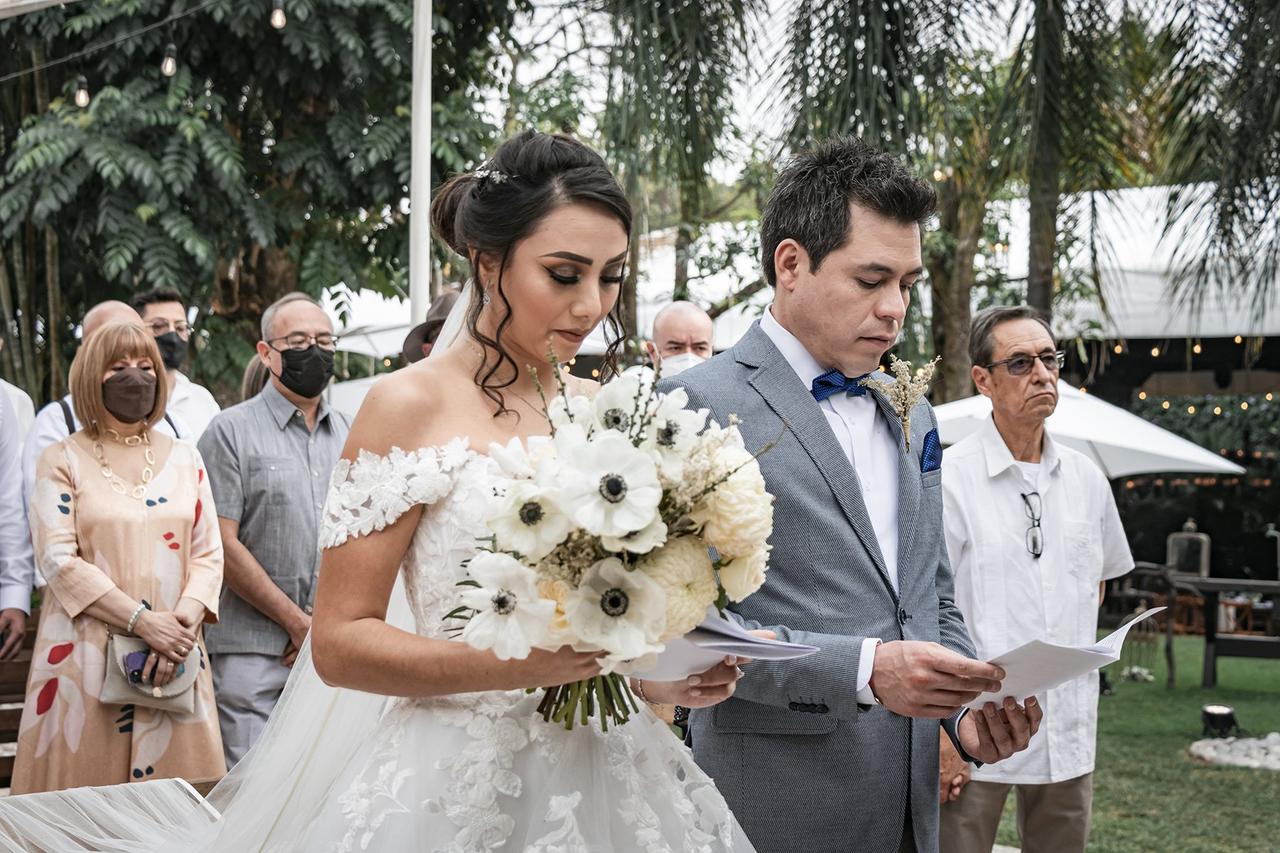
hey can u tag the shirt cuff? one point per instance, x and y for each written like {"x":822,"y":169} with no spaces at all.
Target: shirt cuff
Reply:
{"x":866,"y":663}
{"x":16,"y":597}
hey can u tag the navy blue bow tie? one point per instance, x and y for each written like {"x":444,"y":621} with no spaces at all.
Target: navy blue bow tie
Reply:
{"x":834,"y":382}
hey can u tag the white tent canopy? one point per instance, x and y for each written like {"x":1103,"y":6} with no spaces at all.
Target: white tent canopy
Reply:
{"x":10,"y":8}
{"x":1121,"y":443}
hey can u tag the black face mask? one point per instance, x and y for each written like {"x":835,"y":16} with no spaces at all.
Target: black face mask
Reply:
{"x":306,"y":372}
{"x":130,"y":395}
{"x":173,"y":350}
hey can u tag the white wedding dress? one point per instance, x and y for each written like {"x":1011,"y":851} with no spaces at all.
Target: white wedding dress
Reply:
{"x":338,"y":770}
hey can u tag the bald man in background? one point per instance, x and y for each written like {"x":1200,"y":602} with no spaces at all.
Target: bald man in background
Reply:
{"x":682,"y":334}
{"x":57,"y":420}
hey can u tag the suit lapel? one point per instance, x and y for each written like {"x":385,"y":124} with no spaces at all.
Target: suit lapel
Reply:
{"x":908,"y":483}
{"x":776,"y":382}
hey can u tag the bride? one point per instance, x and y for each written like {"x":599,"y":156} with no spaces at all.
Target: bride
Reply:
{"x":456,"y":759}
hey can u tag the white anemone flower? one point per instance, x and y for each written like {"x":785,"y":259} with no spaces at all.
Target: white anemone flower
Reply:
{"x":620,"y":404}
{"x":565,"y":409}
{"x":609,"y":487}
{"x":526,"y":519}
{"x":510,"y":618}
{"x":521,"y":459}
{"x":622,"y":612}
{"x":673,"y":432}
{"x":641,"y":541}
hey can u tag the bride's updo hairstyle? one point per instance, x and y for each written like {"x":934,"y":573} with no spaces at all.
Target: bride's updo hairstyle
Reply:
{"x":492,"y":208}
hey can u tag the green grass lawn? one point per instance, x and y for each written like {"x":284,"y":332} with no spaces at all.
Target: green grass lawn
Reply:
{"x":1149,"y":794}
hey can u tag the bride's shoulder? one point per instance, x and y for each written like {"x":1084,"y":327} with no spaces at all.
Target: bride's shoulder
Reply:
{"x":399,"y":410}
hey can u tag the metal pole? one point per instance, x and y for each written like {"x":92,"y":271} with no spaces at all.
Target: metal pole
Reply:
{"x":420,"y":167}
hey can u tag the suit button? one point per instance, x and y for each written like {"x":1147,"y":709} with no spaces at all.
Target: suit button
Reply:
{"x":822,"y":709}
{"x":903,"y":616}
{"x":795,"y":706}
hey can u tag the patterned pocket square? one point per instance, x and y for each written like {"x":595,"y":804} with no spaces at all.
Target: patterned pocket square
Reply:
{"x":931,"y":453}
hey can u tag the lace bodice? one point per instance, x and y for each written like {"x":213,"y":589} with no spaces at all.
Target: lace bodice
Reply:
{"x":451,"y":481}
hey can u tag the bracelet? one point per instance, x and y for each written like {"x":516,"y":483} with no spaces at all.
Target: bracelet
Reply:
{"x":133,"y":620}
{"x":639,"y":691}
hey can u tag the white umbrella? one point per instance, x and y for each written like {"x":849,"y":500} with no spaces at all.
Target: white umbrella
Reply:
{"x":1122,"y":443}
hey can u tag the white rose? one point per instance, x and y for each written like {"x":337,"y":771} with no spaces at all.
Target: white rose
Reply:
{"x":683,"y":569}
{"x":742,"y":576}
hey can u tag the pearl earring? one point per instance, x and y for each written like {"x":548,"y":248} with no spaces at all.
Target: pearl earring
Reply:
{"x":484,"y":298}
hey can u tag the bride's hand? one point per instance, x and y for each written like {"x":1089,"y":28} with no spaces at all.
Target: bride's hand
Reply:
{"x":697,"y":691}
{"x":704,"y":689}
{"x":563,"y":666}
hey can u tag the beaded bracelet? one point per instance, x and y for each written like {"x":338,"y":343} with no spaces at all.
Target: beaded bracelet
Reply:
{"x":133,"y":620}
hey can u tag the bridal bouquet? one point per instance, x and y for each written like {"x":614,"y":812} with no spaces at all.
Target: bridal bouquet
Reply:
{"x":615,"y":533}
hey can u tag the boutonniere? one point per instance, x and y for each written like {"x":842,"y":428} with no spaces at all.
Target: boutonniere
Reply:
{"x":907,"y":389}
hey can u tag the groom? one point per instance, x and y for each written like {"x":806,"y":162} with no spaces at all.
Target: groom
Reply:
{"x":839,"y":751}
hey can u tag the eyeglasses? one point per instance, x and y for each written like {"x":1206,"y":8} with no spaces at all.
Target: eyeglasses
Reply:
{"x":160,"y":327}
{"x":1035,"y":534}
{"x":301,"y":341}
{"x":1020,"y":365}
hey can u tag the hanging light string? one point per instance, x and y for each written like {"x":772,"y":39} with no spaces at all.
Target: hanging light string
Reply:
{"x":91,"y":49}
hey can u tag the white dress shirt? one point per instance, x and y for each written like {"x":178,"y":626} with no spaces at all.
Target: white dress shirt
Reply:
{"x":17,"y":568}
{"x":193,"y":404}
{"x":1009,"y":597}
{"x":869,"y":444}
{"x":22,"y":407}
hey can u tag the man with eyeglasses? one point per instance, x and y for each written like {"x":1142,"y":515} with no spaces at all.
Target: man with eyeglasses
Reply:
{"x":1033,"y":535}
{"x":269,"y":460}
{"x":165,"y":314}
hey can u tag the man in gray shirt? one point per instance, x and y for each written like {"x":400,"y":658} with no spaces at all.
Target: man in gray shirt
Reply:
{"x":269,"y":460}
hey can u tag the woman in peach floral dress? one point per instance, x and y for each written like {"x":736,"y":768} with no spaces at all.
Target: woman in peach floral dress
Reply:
{"x":119,"y":515}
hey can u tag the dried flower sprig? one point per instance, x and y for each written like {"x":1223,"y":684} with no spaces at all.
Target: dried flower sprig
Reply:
{"x":907,"y":389}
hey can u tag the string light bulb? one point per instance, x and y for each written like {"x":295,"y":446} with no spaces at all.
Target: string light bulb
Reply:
{"x":82,"y":92}
{"x":1239,"y":339}
{"x":1217,"y":410}
{"x":1196,"y":349}
{"x":169,"y":65}
{"x":1191,"y":410}
{"x":278,"y":19}
{"x":1155,"y":352}
{"x":1165,"y":405}
{"x":1244,"y":407}
{"x":1117,"y":349}
{"x":1142,"y":395}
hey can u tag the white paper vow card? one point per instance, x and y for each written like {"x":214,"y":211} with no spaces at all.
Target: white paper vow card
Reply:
{"x":706,"y":645}
{"x":1037,"y":666}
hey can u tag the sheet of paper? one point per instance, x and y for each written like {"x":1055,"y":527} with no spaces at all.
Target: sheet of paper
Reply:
{"x":706,"y":645}
{"x":1037,"y":666}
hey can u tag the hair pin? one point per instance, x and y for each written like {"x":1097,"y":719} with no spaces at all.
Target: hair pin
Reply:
{"x":490,"y":175}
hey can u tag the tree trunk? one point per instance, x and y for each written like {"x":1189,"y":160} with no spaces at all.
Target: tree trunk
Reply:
{"x":686,"y":233}
{"x":630,"y":321}
{"x":1046,"y":152}
{"x":10,"y":363}
{"x":950,"y":325}
{"x":25,"y":285}
{"x":53,"y":323}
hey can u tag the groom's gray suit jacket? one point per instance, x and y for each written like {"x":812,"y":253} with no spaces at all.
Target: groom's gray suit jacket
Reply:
{"x":802,"y":764}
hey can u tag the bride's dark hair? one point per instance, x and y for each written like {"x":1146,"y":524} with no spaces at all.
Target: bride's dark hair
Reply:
{"x":492,"y":208}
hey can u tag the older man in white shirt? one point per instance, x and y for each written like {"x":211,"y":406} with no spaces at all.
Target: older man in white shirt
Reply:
{"x":22,"y":405}
{"x":1033,"y":533}
{"x":17,"y":568}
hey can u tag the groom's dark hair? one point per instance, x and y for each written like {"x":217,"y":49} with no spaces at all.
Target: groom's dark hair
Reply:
{"x":810,"y":200}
